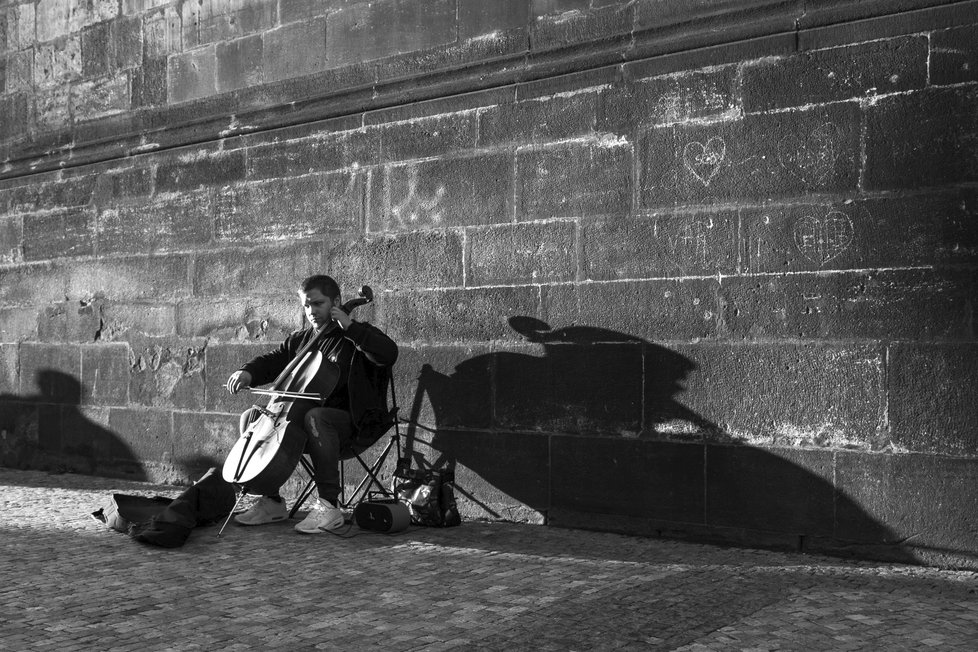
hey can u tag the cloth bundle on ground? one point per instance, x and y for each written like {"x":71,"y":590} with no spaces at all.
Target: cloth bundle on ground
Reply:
{"x":167,"y":522}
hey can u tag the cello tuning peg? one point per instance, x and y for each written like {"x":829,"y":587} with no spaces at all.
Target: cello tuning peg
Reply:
{"x":366,"y":293}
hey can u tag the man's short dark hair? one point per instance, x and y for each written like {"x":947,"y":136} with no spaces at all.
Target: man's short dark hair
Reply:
{"x":324,"y":284}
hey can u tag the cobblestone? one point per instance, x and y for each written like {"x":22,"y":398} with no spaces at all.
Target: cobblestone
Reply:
{"x":69,"y":583}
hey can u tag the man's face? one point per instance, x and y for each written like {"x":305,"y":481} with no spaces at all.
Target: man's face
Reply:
{"x":317,"y":306}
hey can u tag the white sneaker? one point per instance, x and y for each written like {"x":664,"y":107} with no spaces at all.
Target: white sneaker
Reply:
{"x":322,"y":517}
{"x":265,"y":510}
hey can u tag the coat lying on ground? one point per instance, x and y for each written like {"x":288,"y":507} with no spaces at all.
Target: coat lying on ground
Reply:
{"x":168,"y":522}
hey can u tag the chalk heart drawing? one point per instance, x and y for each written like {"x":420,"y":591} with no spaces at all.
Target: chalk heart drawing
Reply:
{"x":820,"y":239}
{"x":703,"y":160}
{"x":811,"y":158}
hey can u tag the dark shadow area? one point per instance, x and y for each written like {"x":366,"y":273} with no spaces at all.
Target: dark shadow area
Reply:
{"x":592,"y":434}
{"x":50,"y":431}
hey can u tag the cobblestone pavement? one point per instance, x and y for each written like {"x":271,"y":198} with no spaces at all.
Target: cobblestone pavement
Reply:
{"x":69,"y":583}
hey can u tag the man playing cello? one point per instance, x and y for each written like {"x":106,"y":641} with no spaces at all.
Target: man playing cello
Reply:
{"x":360,"y":355}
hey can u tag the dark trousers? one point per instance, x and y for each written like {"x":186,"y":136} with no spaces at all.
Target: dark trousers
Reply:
{"x":329,"y":432}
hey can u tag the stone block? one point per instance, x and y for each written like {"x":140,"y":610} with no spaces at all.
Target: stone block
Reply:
{"x":915,"y":230}
{"x":627,"y":477}
{"x":96,"y":50}
{"x":50,"y":373}
{"x":202,"y":440}
{"x":836,"y":74}
{"x":120,"y":320}
{"x":661,"y":245}
{"x":505,"y":474}
{"x":812,"y":395}
{"x":679,"y":97}
{"x":295,"y":49}
{"x":582,"y":180}
{"x":52,"y":108}
{"x":11,"y":240}
{"x":83,"y":14}
{"x":149,"y":83}
{"x":167,"y":372}
{"x":915,"y":501}
{"x":321,"y":153}
{"x":15,"y":112}
{"x":51,"y":18}
{"x":18,"y":324}
{"x":269,"y":320}
{"x":123,"y":279}
{"x":100,"y":97}
{"x":19,"y":72}
{"x":576,"y":387}
{"x":127,"y":38}
{"x":652,"y":310}
{"x":298,"y":10}
{"x":22,"y":28}
{"x":47,"y":194}
{"x":123,"y":185}
{"x":922,"y":139}
{"x":239,"y":63}
{"x":9,"y":357}
{"x":222,"y":360}
{"x":194,"y":171}
{"x":903,"y":304}
{"x":191,"y":75}
{"x":788,"y":491}
{"x":522,"y":253}
{"x":179,"y":223}
{"x":368,"y":31}
{"x":932,"y":397}
{"x":143,"y":434}
{"x":236,"y":272}
{"x":540,"y":120}
{"x":162,"y":33}
{"x":445,"y":387}
{"x":757,"y":157}
{"x":58,"y":234}
{"x":70,"y":321}
{"x":105,"y":372}
{"x":442,"y":193}
{"x":428,"y":137}
{"x":58,"y":63}
{"x":290,"y":209}
{"x":32,"y":284}
{"x":573,"y":25}
{"x":954,"y":55}
{"x":479,"y":19}
{"x":455,"y":315}
{"x":395,"y":262}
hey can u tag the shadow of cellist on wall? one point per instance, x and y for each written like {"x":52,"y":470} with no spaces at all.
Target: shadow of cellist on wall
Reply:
{"x":50,"y":431}
{"x":583,"y":426}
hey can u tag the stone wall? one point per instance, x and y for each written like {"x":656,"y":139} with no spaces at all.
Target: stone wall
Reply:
{"x":690,"y":269}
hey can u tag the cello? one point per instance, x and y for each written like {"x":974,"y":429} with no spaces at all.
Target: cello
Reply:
{"x":272,"y":437}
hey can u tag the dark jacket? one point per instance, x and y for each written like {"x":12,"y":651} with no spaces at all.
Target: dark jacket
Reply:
{"x":361,"y":356}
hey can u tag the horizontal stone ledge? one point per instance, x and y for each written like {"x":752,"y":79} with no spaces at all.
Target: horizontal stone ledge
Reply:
{"x":740,"y":29}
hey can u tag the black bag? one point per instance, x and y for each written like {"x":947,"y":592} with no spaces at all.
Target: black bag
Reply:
{"x":429,"y":495}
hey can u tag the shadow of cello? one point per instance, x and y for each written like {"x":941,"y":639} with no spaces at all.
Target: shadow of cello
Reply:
{"x":583,"y":427}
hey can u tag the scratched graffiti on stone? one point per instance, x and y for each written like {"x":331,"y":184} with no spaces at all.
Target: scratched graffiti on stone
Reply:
{"x":689,"y":245}
{"x":704,"y":160}
{"x":417,"y":208}
{"x":811,"y":158}
{"x":822,"y":238}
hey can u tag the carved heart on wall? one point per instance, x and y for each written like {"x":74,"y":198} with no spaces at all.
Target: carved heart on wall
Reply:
{"x":704,"y":160}
{"x":820,"y":239}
